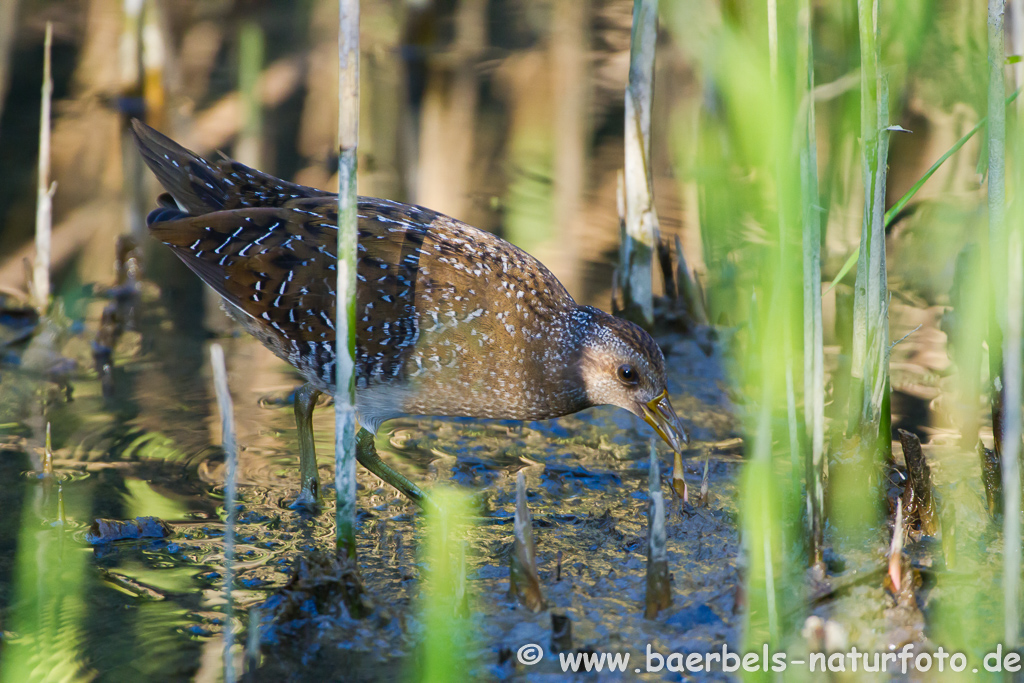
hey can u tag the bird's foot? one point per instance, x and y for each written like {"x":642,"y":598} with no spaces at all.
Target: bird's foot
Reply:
{"x":366,"y":454}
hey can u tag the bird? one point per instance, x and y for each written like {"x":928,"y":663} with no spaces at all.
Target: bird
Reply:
{"x":451,"y":320}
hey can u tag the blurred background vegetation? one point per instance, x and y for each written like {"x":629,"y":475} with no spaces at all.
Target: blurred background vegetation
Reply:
{"x":505,"y":114}
{"x":508,"y":114}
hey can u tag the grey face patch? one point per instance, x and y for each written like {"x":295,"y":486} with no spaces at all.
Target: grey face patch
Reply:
{"x":611,"y":342}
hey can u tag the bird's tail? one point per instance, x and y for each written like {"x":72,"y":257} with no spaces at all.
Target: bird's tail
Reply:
{"x":199,"y":186}
{"x":196,"y":185}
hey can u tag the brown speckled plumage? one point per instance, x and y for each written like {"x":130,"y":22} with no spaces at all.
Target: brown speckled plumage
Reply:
{"x":451,"y":320}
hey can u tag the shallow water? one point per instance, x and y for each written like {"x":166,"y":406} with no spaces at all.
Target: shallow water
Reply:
{"x":149,"y":448}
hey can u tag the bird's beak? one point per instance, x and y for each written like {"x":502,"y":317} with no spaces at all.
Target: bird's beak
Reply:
{"x":659,"y":414}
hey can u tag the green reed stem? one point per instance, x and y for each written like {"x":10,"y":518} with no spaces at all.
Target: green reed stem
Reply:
{"x":871,"y":320}
{"x":250,"y":65}
{"x":1008,"y":297}
{"x":814,"y":362}
{"x":996,"y":139}
{"x":345,"y":310}
{"x":444,"y":607}
{"x":902,"y":202}
{"x":1012,"y":437}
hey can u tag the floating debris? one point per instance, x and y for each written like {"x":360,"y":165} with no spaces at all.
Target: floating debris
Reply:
{"x":133,"y":587}
{"x":659,"y":588}
{"x":110,"y":530}
{"x":524,"y":581}
{"x":325,"y":588}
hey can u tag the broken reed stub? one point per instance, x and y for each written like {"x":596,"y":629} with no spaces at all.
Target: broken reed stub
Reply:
{"x":703,"y":499}
{"x":48,"y":454}
{"x":896,"y":550}
{"x":561,"y":632}
{"x":918,"y":501}
{"x":659,"y":588}
{"x":524,"y":581}
{"x":991,"y":479}
{"x":678,"y":480}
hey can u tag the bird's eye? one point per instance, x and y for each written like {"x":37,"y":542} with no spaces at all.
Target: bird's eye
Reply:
{"x":627,"y":375}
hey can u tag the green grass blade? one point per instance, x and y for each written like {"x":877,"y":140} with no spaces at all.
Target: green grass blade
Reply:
{"x":844,"y":270}
{"x":891,"y":214}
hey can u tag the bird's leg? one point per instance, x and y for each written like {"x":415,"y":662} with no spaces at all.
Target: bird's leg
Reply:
{"x":305,"y":401}
{"x":366,"y":454}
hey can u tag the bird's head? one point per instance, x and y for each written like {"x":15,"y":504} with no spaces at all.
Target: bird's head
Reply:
{"x":622,"y":366}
